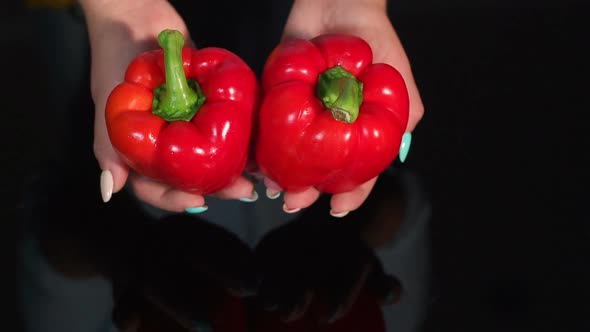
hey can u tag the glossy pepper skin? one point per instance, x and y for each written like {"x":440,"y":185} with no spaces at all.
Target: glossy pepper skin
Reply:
{"x":329,"y":118}
{"x":184,"y":116}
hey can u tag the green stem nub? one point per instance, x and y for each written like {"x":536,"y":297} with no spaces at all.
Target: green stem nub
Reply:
{"x":341,"y":93}
{"x":178,"y":98}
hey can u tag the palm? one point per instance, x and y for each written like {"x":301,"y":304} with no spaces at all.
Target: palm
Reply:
{"x":370,"y":22}
{"x":114,"y":44}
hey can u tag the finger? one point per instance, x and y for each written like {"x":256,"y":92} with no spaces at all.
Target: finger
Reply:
{"x":386,"y":288}
{"x":285,"y":293}
{"x":394,"y":54}
{"x":299,"y":307}
{"x":416,"y":106}
{"x":342,"y":204}
{"x":189,"y":42}
{"x":164,"y":197}
{"x":114,"y":171}
{"x":241,"y":189}
{"x":273,"y":190}
{"x":338,"y":303}
{"x":297,"y":201}
{"x":394,"y":290}
{"x":353,"y":294}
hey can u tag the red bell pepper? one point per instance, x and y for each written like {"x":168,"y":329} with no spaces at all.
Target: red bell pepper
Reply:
{"x":184,"y":116}
{"x":329,"y":118}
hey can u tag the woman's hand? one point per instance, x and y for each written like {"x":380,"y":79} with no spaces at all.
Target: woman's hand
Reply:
{"x":119,"y":31}
{"x":367,"y":19}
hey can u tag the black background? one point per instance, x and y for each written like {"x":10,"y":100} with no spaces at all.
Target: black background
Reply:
{"x":503,"y":150}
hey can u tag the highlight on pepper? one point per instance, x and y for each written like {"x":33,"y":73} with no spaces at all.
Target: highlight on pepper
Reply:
{"x":330,"y":118}
{"x":178,"y":121}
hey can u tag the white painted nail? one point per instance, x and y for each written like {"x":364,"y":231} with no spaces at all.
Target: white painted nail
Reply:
{"x":252,"y":198}
{"x":272,"y":194}
{"x":338,"y":215}
{"x":287,"y":210}
{"x":196,"y":209}
{"x":106,"y":185}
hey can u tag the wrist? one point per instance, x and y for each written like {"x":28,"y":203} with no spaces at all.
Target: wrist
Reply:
{"x":308,"y":18}
{"x":133,"y":23}
{"x":141,"y":19}
{"x":112,"y":7}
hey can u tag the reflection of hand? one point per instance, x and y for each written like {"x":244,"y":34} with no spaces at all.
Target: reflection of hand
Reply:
{"x":118,"y":32}
{"x":192,"y":274}
{"x":318,"y":268}
{"x":367,"y":19}
{"x":176,"y":272}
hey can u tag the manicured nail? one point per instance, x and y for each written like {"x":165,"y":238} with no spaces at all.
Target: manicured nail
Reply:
{"x":287,"y":210}
{"x":391,"y":298}
{"x":272,"y":194}
{"x":201,"y":326}
{"x":106,"y":185}
{"x":395,"y":291}
{"x":250,"y":199}
{"x":339,"y":214}
{"x":405,"y":146}
{"x":197,"y":209}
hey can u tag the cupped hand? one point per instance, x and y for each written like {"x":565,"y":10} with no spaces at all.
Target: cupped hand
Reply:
{"x":118,"y":32}
{"x":179,"y":275}
{"x":192,"y":276}
{"x":367,"y":19}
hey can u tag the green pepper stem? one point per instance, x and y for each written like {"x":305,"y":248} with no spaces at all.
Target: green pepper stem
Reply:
{"x":178,"y":98}
{"x":341,"y":93}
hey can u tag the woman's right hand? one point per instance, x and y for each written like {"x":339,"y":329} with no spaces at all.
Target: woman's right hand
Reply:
{"x":119,"y":31}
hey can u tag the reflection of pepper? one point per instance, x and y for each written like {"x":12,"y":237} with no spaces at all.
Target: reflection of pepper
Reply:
{"x":192,"y":134}
{"x":330,"y":118}
{"x":365,"y":314}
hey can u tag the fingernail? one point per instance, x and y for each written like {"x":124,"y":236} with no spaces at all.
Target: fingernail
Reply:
{"x":339,"y":214}
{"x":287,"y":210}
{"x":198,"y":209}
{"x":405,"y":146}
{"x":391,"y":298}
{"x":395,"y":291}
{"x":250,"y":199}
{"x":106,"y":185}
{"x":201,"y":326}
{"x":272,"y":194}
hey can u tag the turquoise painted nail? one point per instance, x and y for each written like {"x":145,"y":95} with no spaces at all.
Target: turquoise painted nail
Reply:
{"x":250,"y":199}
{"x":391,"y":298}
{"x":405,"y":146}
{"x":198,"y":209}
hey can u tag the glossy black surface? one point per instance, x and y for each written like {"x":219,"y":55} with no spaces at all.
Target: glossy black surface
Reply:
{"x":501,"y":154}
